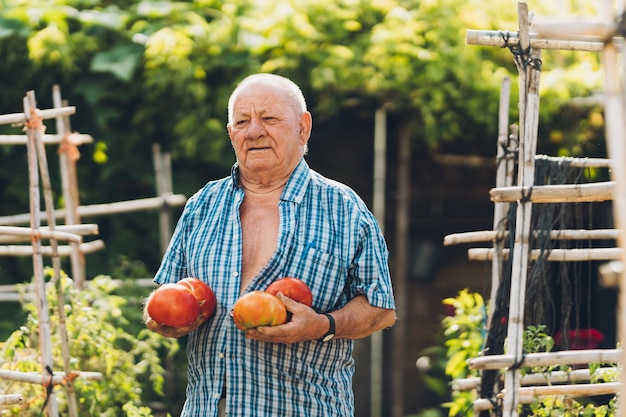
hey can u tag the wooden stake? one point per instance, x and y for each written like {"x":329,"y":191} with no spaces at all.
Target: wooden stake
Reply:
{"x":47,"y":139}
{"x":56,"y":265}
{"x":503,"y":39}
{"x":68,"y":153}
{"x":568,"y":357}
{"x":554,"y":255}
{"x":12,"y":234}
{"x":504,"y":178}
{"x":57,"y":379}
{"x":529,"y":119}
{"x":569,"y":234}
{"x":163,"y":175}
{"x":10,"y":399}
{"x":22,"y":232}
{"x":562,"y":193}
{"x":45,"y":337}
{"x":15,"y":118}
{"x":22,"y":250}
{"x":108,"y":209}
{"x":546,"y":378}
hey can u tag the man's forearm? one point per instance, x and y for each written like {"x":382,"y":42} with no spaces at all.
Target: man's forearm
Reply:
{"x":359,"y":319}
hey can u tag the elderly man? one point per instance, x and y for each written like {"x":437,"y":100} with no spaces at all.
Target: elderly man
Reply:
{"x":274,"y":217}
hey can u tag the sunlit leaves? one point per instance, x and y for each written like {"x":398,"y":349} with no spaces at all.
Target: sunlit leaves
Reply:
{"x":98,"y":342}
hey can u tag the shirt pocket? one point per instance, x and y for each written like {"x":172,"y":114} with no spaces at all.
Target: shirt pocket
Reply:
{"x":324,"y":273}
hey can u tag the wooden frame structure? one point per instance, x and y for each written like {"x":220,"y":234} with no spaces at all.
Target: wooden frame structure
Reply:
{"x":72,"y":232}
{"x":601,"y":35}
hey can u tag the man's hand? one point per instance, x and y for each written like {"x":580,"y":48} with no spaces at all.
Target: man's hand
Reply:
{"x":355,"y":320}
{"x":168,"y":331}
{"x":305,"y":324}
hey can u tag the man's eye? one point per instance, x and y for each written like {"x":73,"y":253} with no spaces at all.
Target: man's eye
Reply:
{"x":240,"y":122}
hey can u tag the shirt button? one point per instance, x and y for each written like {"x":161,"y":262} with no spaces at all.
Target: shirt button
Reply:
{"x":235,"y":273}
{"x":216,"y":395}
{"x":220,"y":355}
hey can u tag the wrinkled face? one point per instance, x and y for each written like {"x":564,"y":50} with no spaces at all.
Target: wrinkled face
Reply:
{"x":267,"y":132}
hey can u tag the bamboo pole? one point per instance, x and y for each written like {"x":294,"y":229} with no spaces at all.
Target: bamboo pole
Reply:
{"x":565,"y":234}
{"x":573,"y":29}
{"x":379,"y":193}
{"x":33,"y":123}
{"x":577,"y":162}
{"x":59,"y":378}
{"x":566,"y":357}
{"x":23,"y":250}
{"x":502,"y":39}
{"x":547,"y":378}
{"x":615,"y":125}
{"x":561,"y":193}
{"x":12,"y":234}
{"x":529,"y":118}
{"x":553,"y":255}
{"x":68,"y":154}
{"x":529,"y":395}
{"x":13,"y":118}
{"x":46,"y":184}
{"x":108,"y":209}
{"x":611,"y":273}
{"x":575,"y":390}
{"x":11,"y":292}
{"x":76,"y":138}
{"x":13,"y":231}
{"x":504,"y":177}
{"x":163,"y":172}
{"x":11,"y":399}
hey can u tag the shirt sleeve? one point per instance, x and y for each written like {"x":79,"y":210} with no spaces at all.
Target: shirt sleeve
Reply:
{"x":369,"y":272}
{"x":173,"y":265}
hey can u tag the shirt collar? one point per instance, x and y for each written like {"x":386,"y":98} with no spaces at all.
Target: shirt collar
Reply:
{"x":296,"y":184}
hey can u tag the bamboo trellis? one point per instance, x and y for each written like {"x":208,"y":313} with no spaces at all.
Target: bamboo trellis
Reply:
{"x":601,"y":36}
{"x":72,"y":232}
{"x":68,"y":154}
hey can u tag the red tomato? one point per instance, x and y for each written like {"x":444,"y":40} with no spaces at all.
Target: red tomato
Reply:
{"x":293,"y":288}
{"x":203,"y":293}
{"x":173,"y":305}
{"x":258,"y":308}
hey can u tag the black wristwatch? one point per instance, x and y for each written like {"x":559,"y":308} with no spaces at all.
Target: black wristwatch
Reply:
{"x":331,"y":330}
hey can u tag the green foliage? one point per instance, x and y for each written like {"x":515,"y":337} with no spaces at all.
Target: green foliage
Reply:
{"x":100,"y":340}
{"x":143,"y":72}
{"x":464,"y":331}
{"x":464,"y":339}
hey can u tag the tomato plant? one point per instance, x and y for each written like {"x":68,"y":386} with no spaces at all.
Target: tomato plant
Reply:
{"x":173,"y":305}
{"x":293,"y":288}
{"x":203,"y":294}
{"x":258,"y":308}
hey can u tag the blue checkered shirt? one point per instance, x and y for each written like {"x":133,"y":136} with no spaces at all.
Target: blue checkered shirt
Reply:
{"x":330,"y":240}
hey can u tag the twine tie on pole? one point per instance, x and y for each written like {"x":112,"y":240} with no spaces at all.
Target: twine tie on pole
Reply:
{"x":69,"y":147}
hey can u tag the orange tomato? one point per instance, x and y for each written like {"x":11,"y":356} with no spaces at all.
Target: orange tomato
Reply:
{"x":258,"y":308}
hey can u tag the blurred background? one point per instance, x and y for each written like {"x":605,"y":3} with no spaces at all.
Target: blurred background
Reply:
{"x":146,"y":73}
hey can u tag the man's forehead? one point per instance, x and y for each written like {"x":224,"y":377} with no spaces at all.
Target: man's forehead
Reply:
{"x":259,"y":101}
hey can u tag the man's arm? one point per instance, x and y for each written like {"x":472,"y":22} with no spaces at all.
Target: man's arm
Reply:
{"x":357,"y":319}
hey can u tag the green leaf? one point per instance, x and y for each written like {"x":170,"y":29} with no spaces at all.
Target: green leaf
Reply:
{"x":120,"y":61}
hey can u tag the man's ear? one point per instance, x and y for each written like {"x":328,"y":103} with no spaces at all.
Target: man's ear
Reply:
{"x":306,"y":124}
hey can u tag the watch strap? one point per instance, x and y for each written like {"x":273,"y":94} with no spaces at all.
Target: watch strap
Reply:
{"x":331,"y":330}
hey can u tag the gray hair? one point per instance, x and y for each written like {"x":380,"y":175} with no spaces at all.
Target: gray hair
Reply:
{"x":290,"y":88}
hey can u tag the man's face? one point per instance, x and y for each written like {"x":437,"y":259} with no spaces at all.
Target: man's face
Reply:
{"x":267,"y":133}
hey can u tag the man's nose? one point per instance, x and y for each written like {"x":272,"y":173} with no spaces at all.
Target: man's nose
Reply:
{"x":256,"y":128}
